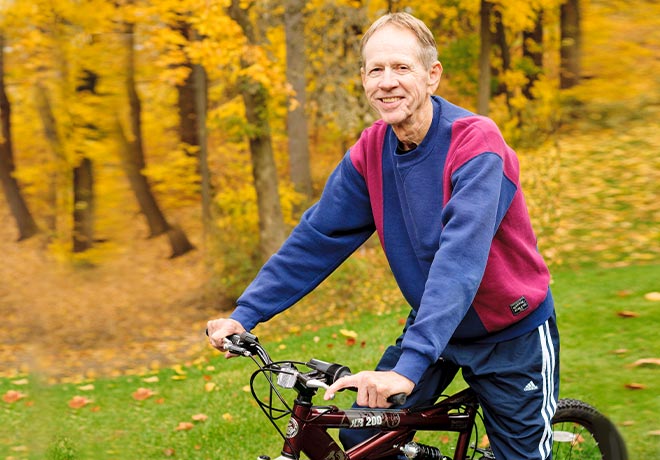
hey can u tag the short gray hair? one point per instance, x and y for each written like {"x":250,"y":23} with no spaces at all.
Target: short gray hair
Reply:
{"x":428,"y":50}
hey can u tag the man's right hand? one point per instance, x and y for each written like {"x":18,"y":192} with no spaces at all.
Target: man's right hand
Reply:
{"x":218,"y":329}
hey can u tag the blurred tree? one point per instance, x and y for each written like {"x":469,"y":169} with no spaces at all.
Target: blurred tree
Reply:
{"x":272,"y":231}
{"x":83,"y":174}
{"x":25,"y":223}
{"x":571,"y":44}
{"x":532,"y":52}
{"x":296,"y":116}
{"x":486,"y":43}
{"x":133,"y":157}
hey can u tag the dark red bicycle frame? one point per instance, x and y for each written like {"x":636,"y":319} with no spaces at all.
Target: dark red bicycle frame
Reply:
{"x":307,"y":429}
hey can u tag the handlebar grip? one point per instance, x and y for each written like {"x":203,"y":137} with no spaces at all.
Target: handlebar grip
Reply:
{"x":398,"y":399}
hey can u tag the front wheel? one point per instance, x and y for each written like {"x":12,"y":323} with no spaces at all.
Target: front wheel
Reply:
{"x":583,"y":433}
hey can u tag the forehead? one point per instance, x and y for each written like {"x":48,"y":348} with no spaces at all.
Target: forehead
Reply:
{"x":392,"y":43}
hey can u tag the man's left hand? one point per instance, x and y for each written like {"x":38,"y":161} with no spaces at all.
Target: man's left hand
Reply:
{"x":374,"y":387}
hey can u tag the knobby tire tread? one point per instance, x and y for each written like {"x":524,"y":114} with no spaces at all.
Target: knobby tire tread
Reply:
{"x":610,"y":441}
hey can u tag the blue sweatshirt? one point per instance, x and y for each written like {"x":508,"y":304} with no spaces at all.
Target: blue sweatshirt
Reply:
{"x":452,"y":221}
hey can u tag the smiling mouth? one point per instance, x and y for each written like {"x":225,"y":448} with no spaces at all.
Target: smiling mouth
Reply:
{"x":390,"y":99}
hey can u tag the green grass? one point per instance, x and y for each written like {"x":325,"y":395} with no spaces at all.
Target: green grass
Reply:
{"x":598,"y":349}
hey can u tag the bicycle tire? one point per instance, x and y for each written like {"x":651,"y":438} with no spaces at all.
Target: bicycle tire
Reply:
{"x":583,"y":433}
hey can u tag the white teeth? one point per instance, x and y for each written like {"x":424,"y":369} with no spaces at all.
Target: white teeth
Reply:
{"x":390,"y":99}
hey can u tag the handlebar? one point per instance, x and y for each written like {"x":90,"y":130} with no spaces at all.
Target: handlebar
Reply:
{"x":322,"y":375}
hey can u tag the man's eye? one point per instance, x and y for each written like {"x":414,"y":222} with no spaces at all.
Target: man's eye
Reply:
{"x":402,"y":68}
{"x":375,"y":72}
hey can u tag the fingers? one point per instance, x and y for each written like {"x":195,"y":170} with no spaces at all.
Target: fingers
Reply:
{"x":218,"y":329}
{"x":369,"y":392}
{"x":344,"y":382}
{"x":373,"y":387}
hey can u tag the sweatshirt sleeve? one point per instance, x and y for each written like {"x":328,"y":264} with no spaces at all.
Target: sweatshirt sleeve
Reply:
{"x":470,"y":219}
{"x":326,"y":235}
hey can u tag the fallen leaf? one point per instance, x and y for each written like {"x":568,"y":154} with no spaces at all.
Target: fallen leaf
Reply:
{"x":184,"y":426}
{"x":227,"y":417}
{"x":654,"y":433}
{"x":646,"y":361}
{"x":627,"y":314}
{"x":348,"y":333}
{"x":350,"y":341}
{"x":12,"y":396}
{"x":78,"y":402}
{"x":624,"y":293}
{"x":169,"y":452}
{"x":20,"y":382}
{"x":652,"y":296}
{"x":484,"y":442}
{"x":635,"y":386}
{"x":209,"y":386}
{"x":152,"y":379}
{"x":178,"y":368}
{"x":142,"y":393}
{"x":178,"y":377}
{"x":89,"y":387}
{"x":200,"y":417}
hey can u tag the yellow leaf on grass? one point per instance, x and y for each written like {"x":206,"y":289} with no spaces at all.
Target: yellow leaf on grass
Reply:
{"x":209,"y":386}
{"x":646,"y":361}
{"x":200,"y":417}
{"x":227,"y":417}
{"x":20,"y":382}
{"x":652,"y":296}
{"x":152,"y":379}
{"x":89,"y":387}
{"x":348,"y":333}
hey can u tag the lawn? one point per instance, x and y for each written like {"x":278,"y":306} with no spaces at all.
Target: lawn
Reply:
{"x":202,"y":410}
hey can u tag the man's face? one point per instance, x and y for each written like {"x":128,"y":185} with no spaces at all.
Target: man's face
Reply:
{"x":395,"y":81}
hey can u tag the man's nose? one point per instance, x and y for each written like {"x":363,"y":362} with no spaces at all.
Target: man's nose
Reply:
{"x":388,"y":79}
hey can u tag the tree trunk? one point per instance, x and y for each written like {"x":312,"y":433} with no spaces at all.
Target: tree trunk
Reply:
{"x":201,"y":106}
{"x":570,"y":50}
{"x":271,"y":223}
{"x":188,"y":129}
{"x":297,"y":120}
{"x":533,"y":51}
{"x":50,"y":132}
{"x":25,"y":223}
{"x":505,"y":54}
{"x":83,"y":206}
{"x":483,"y":97}
{"x":255,"y":97}
{"x":134,"y":162}
{"x":83,"y":176}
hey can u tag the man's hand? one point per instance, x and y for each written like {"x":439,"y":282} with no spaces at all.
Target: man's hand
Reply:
{"x":374,"y":387}
{"x":218,"y":329}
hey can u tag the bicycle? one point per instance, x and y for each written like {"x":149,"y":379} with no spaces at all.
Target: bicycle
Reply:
{"x":580,"y":431}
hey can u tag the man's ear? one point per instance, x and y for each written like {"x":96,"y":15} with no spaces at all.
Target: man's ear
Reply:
{"x":434,"y":76}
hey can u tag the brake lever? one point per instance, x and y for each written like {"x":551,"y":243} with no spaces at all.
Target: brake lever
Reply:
{"x":228,"y":345}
